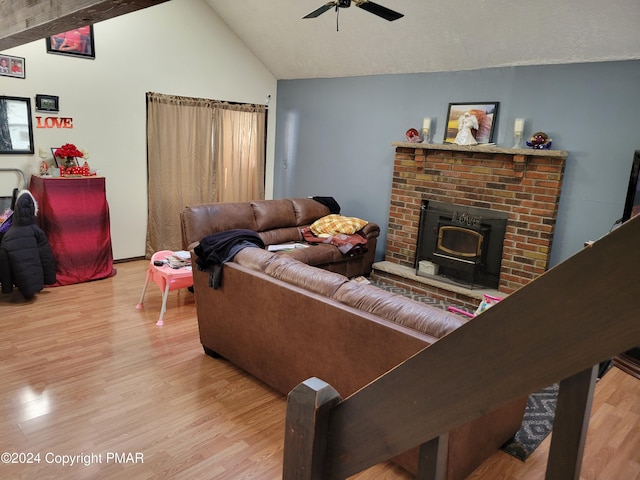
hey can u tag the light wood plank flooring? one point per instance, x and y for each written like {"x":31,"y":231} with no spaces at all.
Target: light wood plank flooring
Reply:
{"x":85,"y":377}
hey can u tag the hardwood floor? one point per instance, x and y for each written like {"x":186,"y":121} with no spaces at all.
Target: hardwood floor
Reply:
{"x":85,"y":377}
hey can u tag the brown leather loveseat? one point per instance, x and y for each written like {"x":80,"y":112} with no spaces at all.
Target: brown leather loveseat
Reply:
{"x":277,"y":222}
{"x":284,"y":321}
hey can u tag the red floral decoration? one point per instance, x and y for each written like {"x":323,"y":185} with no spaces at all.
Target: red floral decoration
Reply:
{"x":68,"y":150}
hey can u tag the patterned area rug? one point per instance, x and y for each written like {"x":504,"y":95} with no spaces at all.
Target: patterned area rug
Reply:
{"x":536,"y":424}
{"x":539,"y":413}
{"x":406,"y":293}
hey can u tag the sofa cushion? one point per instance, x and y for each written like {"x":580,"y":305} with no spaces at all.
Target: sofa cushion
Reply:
{"x":308,"y":210}
{"x":320,"y":254}
{"x":281,"y":235}
{"x":255,"y":258}
{"x":270,"y":214}
{"x":396,"y":308}
{"x":337,"y":224}
{"x":304,"y":276}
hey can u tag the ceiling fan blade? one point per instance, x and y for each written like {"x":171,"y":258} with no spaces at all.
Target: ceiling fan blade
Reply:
{"x":379,"y":10}
{"x":321,"y":10}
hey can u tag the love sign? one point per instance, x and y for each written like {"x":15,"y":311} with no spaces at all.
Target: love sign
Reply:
{"x":54,"y":122}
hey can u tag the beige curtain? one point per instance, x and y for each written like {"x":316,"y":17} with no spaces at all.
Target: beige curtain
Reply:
{"x":185,"y":138}
{"x":239,"y":151}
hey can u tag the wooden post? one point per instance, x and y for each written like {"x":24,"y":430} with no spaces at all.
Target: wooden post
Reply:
{"x":306,"y":426}
{"x":570,"y":425}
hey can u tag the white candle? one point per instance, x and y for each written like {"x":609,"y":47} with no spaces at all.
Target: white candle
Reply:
{"x":519,"y":125}
{"x":426,"y":123}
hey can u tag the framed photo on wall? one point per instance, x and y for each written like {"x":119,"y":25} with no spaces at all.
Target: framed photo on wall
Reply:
{"x":15,"y":126}
{"x":78,"y":42}
{"x":12,"y":66}
{"x":485,"y":112}
{"x":47,"y":103}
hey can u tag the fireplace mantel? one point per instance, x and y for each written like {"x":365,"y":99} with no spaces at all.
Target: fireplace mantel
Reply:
{"x":524,"y":183}
{"x":452,"y":147}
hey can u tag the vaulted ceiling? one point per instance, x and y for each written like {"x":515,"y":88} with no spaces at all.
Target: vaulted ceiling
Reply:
{"x":433,"y":35}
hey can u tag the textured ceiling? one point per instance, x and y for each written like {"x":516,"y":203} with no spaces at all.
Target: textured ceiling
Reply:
{"x":434,"y":35}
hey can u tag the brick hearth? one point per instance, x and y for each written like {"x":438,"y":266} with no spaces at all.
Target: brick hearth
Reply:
{"x":524,"y":183}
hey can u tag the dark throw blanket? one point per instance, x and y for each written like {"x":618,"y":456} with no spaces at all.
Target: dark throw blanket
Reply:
{"x":216,"y":249}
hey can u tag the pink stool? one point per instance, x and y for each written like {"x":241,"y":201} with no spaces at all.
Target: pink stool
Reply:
{"x":167,"y":279}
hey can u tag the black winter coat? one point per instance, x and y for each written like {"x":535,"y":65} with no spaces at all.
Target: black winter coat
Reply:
{"x":26,"y":260}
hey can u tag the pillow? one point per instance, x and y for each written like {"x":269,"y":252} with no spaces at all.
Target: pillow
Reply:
{"x":336,"y":224}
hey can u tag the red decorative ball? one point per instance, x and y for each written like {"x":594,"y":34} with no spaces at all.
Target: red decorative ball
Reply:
{"x":412,"y":132}
{"x":413,"y":136}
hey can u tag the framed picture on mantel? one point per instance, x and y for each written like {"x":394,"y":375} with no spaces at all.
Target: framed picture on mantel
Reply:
{"x":486,"y":114}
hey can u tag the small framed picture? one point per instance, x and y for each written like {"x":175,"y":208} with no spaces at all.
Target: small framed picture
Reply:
{"x":78,"y":42}
{"x":47,"y":103}
{"x":483,"y":116}
{"x":12,"y":66}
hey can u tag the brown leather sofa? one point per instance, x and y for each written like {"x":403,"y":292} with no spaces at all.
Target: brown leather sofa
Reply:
{"x":276,"y":222}
{"x":284,"y":321}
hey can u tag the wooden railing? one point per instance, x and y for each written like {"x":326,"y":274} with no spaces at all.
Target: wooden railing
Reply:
{"x":555,"y":329}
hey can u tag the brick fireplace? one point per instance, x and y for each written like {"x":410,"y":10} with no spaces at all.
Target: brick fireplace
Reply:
{"x":524,"y":184}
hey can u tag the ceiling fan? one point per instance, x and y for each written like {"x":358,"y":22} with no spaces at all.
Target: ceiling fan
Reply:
{"x":370,"y":7}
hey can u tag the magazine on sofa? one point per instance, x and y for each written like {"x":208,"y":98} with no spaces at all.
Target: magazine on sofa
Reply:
{"x":286,"y":246}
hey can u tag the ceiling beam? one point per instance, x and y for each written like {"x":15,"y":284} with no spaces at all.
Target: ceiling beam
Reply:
{"x":24,"y":21}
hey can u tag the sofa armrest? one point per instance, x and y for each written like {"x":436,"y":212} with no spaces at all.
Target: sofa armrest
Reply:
{"x":198,"y":221}
{"x":370,"y":230}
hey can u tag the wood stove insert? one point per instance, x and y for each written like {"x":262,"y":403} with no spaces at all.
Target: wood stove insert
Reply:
{"x":464,"y":242}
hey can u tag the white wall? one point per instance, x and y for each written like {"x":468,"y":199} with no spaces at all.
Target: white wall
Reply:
{"x":180,"y":47}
